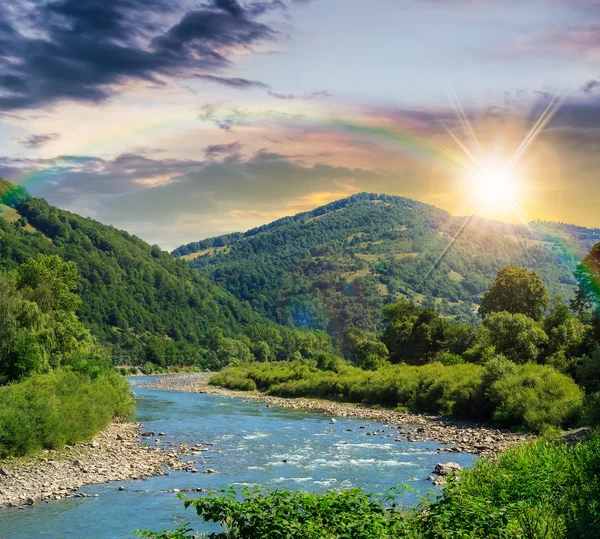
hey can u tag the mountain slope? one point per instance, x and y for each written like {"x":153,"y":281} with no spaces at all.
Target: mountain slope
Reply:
{"x":143,"y":301}
{"x":335,"y":266}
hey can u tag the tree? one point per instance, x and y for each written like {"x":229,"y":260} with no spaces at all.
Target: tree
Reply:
{"x":516,"y":336}
{"x":516,"y":290}
{"x":588,"y":277}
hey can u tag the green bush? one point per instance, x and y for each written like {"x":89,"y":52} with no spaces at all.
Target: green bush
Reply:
{"x":62,"y":407}
{"x":543,"y":489}
{"x":548,"y":490}
{"x":535,"y":396}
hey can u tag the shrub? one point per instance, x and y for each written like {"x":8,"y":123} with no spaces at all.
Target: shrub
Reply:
{"x":62,"y":407}
{"x":535,"y":396}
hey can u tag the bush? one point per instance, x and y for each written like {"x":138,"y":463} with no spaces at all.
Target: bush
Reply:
{"x":535,"y":396}
{"x":62,"y":407}
{"x":532,"y":396}
{"x":542,"y":489}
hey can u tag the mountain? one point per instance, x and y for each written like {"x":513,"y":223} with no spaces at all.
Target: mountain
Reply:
{"x":140,"y":301}
{"x":335,"y":266}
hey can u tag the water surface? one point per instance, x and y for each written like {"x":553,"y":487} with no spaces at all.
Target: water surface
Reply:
{"x":276,"y":447}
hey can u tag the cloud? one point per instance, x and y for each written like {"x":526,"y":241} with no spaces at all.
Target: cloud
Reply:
{"x":37,"y":141}
{"x":88,"y":50}
{"x":234,"y":82}
{"x":218,"y":149}
{"x":590,"y":86}
{"x":313,"y":95}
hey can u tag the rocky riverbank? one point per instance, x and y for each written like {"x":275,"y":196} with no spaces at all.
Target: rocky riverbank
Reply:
{"x":116,"y":454}
{"x":457,"y":436}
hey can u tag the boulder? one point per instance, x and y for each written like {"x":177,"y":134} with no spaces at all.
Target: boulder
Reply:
{"x":447,"y":468}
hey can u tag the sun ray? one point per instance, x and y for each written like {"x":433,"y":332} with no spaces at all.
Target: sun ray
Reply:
{"x":458,"y":108}
{"x":460,"y":144}
{"x":541,"y":123}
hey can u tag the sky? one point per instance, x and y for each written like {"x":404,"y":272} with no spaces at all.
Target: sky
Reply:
{"x":179,"y":120}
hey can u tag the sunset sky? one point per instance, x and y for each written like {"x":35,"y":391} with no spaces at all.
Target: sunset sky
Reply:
{"x":180,"y":119}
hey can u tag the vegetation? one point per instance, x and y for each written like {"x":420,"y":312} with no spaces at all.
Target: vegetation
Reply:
{"x":64,"y":406}
{"x":141,"y":303}
{"x":513,"y":370}
{"x":62,"y":388}
{"x":533,"y":396}
{"x":334,"y":267}
{"x":540,"y":490}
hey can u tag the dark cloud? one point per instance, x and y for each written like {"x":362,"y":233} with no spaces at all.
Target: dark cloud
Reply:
{"x":85,"y":49}
{"x":37,"y":141}
{"x":590,"y":86}
{"x":546,"y":96}
{"x":312,"y":95}
{"x":234,"y":82}
{"x":219,"y":149}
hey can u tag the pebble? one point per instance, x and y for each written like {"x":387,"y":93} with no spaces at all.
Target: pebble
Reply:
{"x":116,"y":454}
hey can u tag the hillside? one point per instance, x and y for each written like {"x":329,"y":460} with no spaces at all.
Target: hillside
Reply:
{"x":140,"y":301}
{"x":335,"y":266}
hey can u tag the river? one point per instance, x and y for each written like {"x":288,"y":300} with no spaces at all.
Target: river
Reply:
{"x":277,"y":447}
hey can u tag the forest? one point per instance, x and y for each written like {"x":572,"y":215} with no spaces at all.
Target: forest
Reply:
{"x":142,"y":304}
{"x":336,"y":266}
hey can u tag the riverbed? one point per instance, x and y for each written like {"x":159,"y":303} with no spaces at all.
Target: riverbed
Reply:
{"x":245,"y":443}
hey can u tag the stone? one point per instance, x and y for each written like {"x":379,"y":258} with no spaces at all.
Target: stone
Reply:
{"x":209,"y":470}
{"x":121,"y":488}
{"x":447,"y":468}
{"x":4,"y":472}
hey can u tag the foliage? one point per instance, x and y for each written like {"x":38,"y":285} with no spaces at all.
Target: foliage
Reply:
{"x":334,"y":267}
{"x":548,"y":490}
{"x":516,"y":336}
{"x":289,"y":515}
{"x":38,"y":325}
{"x":532,"y":396}
{"x":65,"y":406}
{"x":138,"y":301}
{"x":535,"y":396}
{"x":517,"y":291}
{"x":543,"y":489}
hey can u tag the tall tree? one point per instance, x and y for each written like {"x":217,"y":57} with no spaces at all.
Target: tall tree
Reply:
{"x":516,"y":290}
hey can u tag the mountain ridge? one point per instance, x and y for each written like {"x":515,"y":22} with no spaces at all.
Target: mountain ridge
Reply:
{"x":316,"y":263}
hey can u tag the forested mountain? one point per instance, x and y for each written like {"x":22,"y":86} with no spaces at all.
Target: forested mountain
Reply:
{"x":141,"y":302}
{"x":334,"y":267}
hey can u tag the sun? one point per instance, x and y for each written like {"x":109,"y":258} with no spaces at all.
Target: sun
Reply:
{"x":495,"y":187}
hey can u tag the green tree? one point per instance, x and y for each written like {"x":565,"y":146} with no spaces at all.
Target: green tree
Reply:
{"x":516,"y":336}
{"x":516,"y":290}
{"x":49,"y":281}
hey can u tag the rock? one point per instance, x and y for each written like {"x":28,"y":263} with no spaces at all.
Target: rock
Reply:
{"x":121,"y":488}
{"x":430,"y":478}
{"x":332,"y":420}
{"x":4,"y":472}
{"x":209,"y":470}
{"x":161,"y":433}
{"x":76,"y":463}
{"x":440,"y":482}
{"x":29,"y":501}
{"x":447,"y":469}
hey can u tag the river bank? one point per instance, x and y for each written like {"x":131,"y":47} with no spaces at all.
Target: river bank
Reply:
{"x":459,"y":436}
{"x":115,"y":454}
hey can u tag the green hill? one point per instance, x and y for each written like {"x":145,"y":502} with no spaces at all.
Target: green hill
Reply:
{"x":140,"y":301}
{"x":335,"y":266}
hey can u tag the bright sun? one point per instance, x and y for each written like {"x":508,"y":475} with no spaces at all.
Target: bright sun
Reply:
{"x":496,"y":188}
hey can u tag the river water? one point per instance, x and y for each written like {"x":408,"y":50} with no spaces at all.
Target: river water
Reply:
{"x":276,"y":447}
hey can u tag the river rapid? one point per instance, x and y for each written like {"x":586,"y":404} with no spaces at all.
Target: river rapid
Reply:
{"x":276,"y":447}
